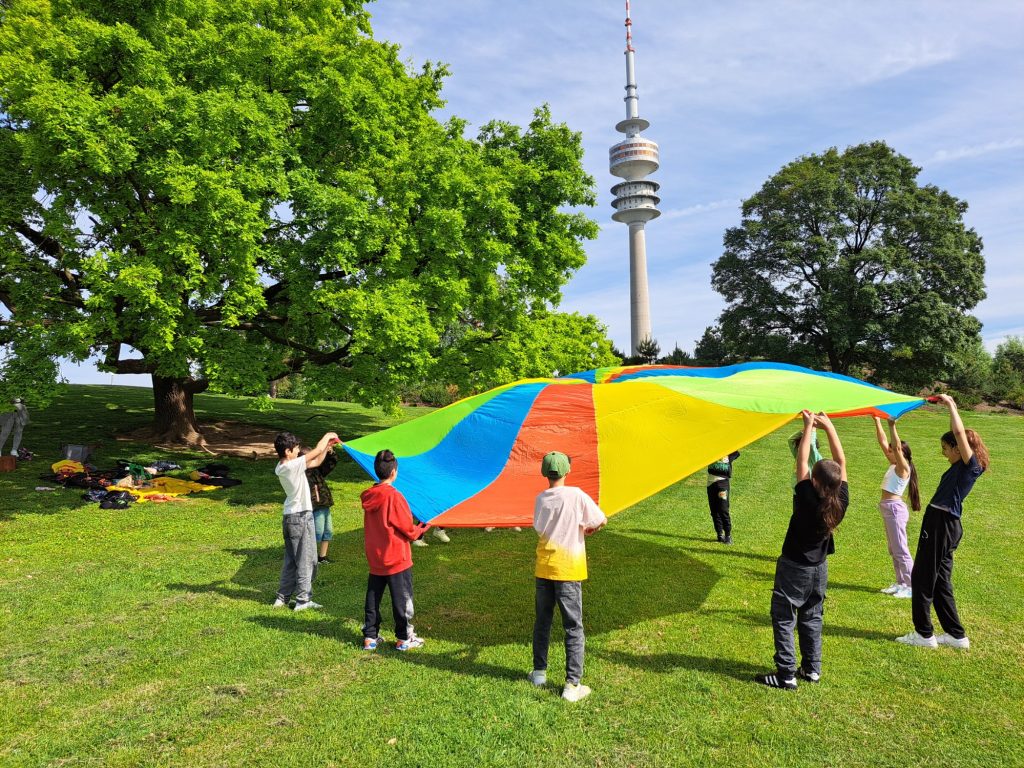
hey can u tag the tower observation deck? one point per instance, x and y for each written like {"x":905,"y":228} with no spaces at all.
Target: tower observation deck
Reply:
{"x":636,"y":199}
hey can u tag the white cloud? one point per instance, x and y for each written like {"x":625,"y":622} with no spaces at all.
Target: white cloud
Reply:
{"x":700,"y":208}
{"x":975,"y":150}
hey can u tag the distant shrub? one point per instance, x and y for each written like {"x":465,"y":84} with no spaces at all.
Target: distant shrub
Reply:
{"x":965,"y":400}
{"x":1015,"y":398}
{"x":432,"y":393}
{"x":1008,"y":370}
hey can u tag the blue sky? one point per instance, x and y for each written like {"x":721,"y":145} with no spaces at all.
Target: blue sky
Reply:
{"x":734,"y":91}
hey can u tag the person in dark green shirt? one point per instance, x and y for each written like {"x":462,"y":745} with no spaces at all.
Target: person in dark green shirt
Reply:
{"x":719,"y":475}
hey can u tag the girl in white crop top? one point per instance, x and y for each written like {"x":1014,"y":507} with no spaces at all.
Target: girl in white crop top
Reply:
{"x":893,"y":484}
{"x":900,"y":477}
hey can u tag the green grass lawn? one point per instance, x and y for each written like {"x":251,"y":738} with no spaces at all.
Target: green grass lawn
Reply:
{"x":146,"y":637}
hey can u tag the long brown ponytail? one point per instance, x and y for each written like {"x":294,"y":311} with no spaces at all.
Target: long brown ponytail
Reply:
{"x":829,"y":477}
{"x":978,"y":446}
{"x":915,"y":491}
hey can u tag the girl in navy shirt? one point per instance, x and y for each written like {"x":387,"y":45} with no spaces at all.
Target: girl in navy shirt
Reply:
{"x":940,"y":535}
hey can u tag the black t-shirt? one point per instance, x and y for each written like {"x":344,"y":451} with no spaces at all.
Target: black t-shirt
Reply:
{"x":808,"y":542}
{"x":955,"y":484}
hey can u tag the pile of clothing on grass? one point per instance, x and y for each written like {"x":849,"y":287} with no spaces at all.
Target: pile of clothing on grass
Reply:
{"x":134,"y":481}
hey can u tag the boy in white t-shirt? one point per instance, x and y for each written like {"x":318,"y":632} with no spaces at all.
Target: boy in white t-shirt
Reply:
{"x":299,"y":567}
{"x":562,"y":516}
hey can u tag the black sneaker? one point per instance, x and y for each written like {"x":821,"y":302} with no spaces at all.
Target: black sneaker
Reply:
{"x":727,"y":539}
{"x":721,"y":538}
{"x":810,"y":677}
{"x":324,"y":560}
{"x":774,"y":680}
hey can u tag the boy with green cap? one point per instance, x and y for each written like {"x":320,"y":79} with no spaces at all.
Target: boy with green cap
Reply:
{"x":563,"y":516}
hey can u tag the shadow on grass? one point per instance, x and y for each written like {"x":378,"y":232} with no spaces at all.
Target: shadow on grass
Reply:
{"x":19,"y":482}
{"x":852,"y":587}
{"x":465,"y":661}
{"x":712,"y":548}
{"x":757,"y":619}
{"x":478,"y":591}
{"x":254,"y":581}
{"x":669,"y":662}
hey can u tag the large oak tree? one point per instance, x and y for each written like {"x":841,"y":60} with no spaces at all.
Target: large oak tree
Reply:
{"x":243,"y":189}
{"x":843,"y":260}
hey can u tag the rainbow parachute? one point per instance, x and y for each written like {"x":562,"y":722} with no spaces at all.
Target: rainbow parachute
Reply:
{"x":629,"y":431}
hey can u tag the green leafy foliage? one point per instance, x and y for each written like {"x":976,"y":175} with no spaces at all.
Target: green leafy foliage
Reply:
{"x":677,"y":357}
{"x":241,"y":190}
{"x":648,"y":350}
{"x":711,"y":349}
{"x":843,"y":260}
{"x":27,"y":371}
{"x":1008,"y":372}
{"x":539,"y":345}
{"x":970,"y":369}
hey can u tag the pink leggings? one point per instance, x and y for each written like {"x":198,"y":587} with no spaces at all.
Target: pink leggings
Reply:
{"x":895,"y":516}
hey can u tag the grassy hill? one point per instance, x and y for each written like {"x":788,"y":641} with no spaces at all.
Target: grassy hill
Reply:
{"x":146,"y":637}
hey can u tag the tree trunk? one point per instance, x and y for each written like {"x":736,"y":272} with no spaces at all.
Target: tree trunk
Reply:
{"x":272,"y":389}
{"x":174,"y":418}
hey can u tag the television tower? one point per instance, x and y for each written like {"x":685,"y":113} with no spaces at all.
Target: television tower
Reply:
{"x":636,"y":200}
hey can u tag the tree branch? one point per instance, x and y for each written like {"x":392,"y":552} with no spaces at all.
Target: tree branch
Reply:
{"x":312,"y":353}
{"x":44,"y":243}
{"x":132,"y":365}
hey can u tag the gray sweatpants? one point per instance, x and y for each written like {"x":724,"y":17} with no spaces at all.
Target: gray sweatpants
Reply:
{"x":299,"y":567}
{"x":798,"y":599}
{"x":9,"y":421}
{"x":568,"y":595}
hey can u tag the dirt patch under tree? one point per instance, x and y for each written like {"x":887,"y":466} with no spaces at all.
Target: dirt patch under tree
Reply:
{"x":224,"y":438}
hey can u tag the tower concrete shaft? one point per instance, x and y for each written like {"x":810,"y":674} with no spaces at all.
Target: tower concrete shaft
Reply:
{"x":639,"y":298}
{"x":636,"y":200}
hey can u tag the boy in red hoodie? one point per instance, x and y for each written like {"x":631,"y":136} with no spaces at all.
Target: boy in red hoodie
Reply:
{"x":389,"y":528}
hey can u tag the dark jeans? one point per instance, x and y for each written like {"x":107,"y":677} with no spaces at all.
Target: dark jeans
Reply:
{"x":798,"y":600}
{"x":299,"y":567}
{"x":718,"y":503}
{"x":400,"y":585}
{"x":932,"y":577}
{"x":568,"y":595}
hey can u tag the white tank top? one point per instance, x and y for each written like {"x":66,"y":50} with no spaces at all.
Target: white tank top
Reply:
{"x":893,"y":483}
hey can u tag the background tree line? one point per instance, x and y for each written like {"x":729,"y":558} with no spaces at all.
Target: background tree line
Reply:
{"x":231,"y":194}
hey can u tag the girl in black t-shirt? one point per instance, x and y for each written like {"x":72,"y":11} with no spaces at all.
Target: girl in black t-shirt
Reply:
{"x":820,"y":500}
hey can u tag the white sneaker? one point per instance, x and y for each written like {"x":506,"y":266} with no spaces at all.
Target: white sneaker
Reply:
{"x":279,"y":603}
{"x":307,"y":605}
{"x":890,"y":590}
{"x":912,"y":638}
{"x":420,"y":543}
{"x":489,"y":529}
{"x":903,"y":592}
{"x":539,"y":677}
{"x":517,"y":529}
{"x":441,"y":536}
{"x":575,"y":692}
{"x":408,"y":645}
{"x":962,"y":643}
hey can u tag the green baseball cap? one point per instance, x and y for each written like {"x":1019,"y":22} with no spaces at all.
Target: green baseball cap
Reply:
{"x":555,"y":465}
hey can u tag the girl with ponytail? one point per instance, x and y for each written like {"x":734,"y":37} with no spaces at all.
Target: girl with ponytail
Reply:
{"x":900,"y":477}
{"x":941,"y":531}
{"x":820,"y":499}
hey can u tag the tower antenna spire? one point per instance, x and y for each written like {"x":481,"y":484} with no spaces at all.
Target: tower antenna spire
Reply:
{"x":636,"y":200}
{"x":629,"y":33}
